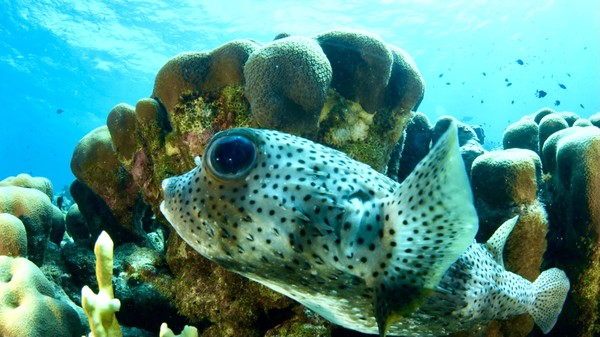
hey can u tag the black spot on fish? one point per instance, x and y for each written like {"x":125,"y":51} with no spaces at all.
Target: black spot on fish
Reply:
{"x":520,"y":62}
{"x":557,"y":102}
{"x":540,"y":93}
{"x":59,"y":111}
{"x":562,"y":86}
{"x":581,"y":105}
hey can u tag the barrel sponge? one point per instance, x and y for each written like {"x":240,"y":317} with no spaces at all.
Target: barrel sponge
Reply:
{"x":362,"y":66}
{"x":13,"y":237}
{"x":523,"y":134}
{"x":29,"y":305}
{"x":36,"y":211}
{"x":543,"y":112}
{"x":502,"y":178}
{"x":25,"y":180}
{"x":202,"y":71}
{"x":122,"y":124}
{"x":286,"y":84}
{"x":550,"y":124}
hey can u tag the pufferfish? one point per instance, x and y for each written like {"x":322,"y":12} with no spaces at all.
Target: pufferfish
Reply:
{"x":361,"y":250}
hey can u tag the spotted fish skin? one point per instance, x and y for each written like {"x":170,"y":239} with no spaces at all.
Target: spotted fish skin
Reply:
{"x":356,"y":247}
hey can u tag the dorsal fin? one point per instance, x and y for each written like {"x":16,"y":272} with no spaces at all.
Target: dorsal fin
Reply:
{"x":429,"y":222}
{"x":495,"y":244}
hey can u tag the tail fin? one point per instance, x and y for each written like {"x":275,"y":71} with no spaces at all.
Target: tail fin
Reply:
{"x":550,"y":290}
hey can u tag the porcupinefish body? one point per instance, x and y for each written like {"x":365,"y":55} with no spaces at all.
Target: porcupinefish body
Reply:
{"x":356,"y":247}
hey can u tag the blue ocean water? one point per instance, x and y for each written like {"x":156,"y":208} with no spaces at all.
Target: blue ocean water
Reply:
{"x":65,"y":63}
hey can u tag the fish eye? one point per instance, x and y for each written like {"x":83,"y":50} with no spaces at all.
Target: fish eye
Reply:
{"x":231,"y":157}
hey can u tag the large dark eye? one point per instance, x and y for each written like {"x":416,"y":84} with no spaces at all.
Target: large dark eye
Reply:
{"x":231,"y":156}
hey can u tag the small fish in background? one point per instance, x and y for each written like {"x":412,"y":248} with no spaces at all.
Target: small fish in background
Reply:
{"x":484,"y":74}
{"x":557,"y":102}
{"x":540,"y":93}
{"x":508,"y":84}
{"x":447,"y":83}
{"x":59,"y":111}
{"x":520,"y":62}
{"x":481,"y":102}
{"x":568,"y":74}
{"x":581,"y":105}
{"x":562,"y":86}
{"x":512,"y":102}
{"x":441,"y":75}
{"x":361,"y":250}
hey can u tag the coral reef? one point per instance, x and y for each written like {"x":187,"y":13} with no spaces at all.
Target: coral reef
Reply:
{"x":346,"y":89}
{"x":302,"y":85}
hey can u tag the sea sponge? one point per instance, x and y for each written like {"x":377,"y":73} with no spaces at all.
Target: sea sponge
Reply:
{"x":14,"y":236}
{"x":25,"y":180}
{"x":207,"y":71}
{"x":29,"y":305}
{"x":286,"y":84}
{"x":36,"y":212}
{"x":548,"y":125}
{"x":572,"y":158}
{"x":523,"y":134}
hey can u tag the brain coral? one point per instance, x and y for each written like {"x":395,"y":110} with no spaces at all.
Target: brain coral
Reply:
{"x":14,"y":236}
{"x":286,"y":84}
{"x":522,"y":134}
{"x":25,"y":180}
{"x":28,"y":304}
{"x":205,"y":71}
{"x":36,"y":212}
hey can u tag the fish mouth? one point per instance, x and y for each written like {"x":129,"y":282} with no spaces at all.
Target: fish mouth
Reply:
{"x":168,"y":186}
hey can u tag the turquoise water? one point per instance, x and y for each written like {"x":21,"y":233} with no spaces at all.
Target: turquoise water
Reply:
{"x":65,"y":64}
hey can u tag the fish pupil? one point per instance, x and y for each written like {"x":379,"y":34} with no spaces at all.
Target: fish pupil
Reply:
{"x":232,"y":154}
